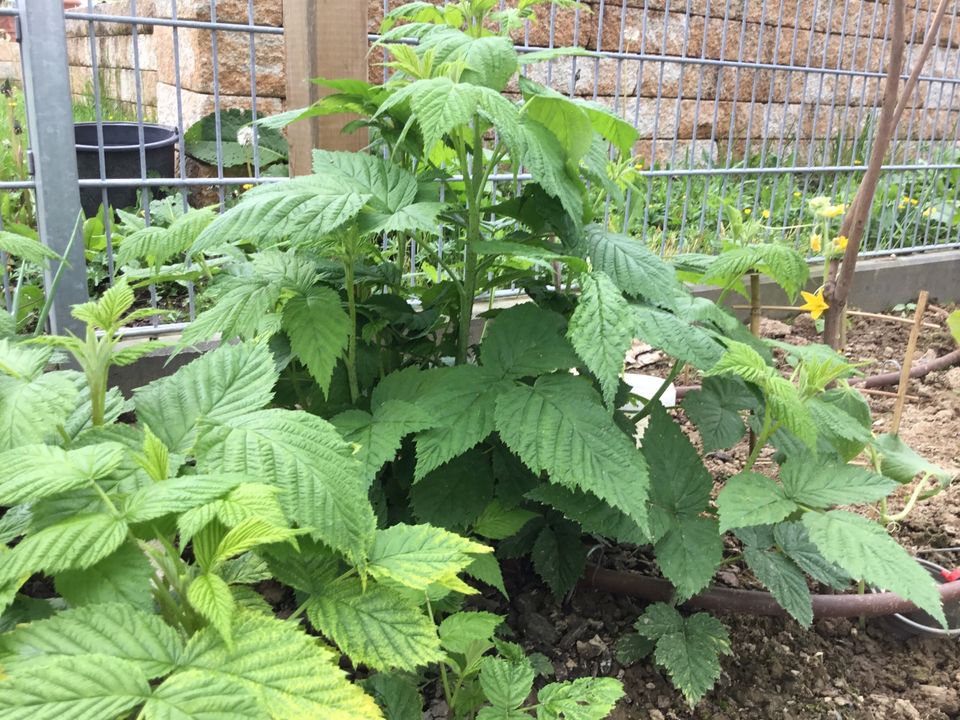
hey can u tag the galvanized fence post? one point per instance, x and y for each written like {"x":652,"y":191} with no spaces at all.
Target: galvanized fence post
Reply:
{"x":46,"y":83}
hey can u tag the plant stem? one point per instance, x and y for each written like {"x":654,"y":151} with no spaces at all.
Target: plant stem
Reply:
{"x":911,"y":501}
{"x":655,"y":398}
{"x":769,"y":427}
{"x":349,"y":279}
{"x":472,"y":180}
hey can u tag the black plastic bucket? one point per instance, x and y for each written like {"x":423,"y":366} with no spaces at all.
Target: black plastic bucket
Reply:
{"x":121,"y":153}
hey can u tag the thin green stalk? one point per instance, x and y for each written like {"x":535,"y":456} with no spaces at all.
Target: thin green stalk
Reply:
{"x":52,"y":290}
{"x":911,"y":502}
{"x":678,"y":366}
{"x":349,"y":273}
{"x":469,"y":292}
{"x":768,"y":429}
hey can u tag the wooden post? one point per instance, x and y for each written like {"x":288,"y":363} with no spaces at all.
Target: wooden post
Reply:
{"x":908,"y":362}
{"x":323,"y":38}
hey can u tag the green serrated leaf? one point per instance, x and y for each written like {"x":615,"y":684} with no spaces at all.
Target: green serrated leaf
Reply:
{"x":486,"y":569}
{"x":818,"y":485}
{"x":115,"y":630}
{"x":716,"y":411}
{"x":689,"y":554}
{"x":497,"y":522}
{"x":688,"y":648}
{"x":676,"y":337}
{"x":632,"y":648}
{"x":123,"y":576}
{"x":455,"y":494}
{"x":867,"y":552}
{"x":631,"y":266}
{"x":559,"y":556}
{"x":581,"y":699}
{"x":784,"y":580}
{"x":318,"y":329}
{"x":749,"y":498}
{"x":559,"y":425}
{"x":506,"y":685}
{"x":225,"y":383}
{"x":70,"y":688}
{"x":461,"y":630}
{"x":792,"y":538}
{"x":526,"y":341}
{"x":601,"y":330}
{"x":73,"y":544}
{"x":32,"y":472}
{"x":210,"y":596}
{"x":419,"y":555}
{"x":303,"y":455}
{"x":461,"y":402}
{"x":398,"y":695}
{"x":289,"y":673}
{"x":900,"y":462}
{"x":593,"y":514}
{"x":380,"y":435}
{"x":301,"y":211}
{"x":379,"y":627}
{"x":31,"y":409}
{"x":200,"y":696}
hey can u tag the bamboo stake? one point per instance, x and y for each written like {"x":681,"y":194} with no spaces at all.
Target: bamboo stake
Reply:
{"x":885,"y":393}
{"x":858,"y":313}
{"x":893,"y":318}
{"x":908,"y":362}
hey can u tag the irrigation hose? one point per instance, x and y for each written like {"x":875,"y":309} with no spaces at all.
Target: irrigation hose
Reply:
{"x":756,"y":602}
{"x":919,"y":370}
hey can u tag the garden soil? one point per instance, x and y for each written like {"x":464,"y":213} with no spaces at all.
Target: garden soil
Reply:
{"x":839,"y":669}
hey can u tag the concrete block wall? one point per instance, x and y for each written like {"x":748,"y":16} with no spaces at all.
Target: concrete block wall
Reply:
{"x":681,"y":108}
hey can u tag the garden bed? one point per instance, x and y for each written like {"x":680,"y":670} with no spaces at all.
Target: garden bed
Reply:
{"x":840,"y":669}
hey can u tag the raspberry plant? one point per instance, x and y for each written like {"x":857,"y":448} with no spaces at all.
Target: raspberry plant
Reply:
{"x":404,"y":436}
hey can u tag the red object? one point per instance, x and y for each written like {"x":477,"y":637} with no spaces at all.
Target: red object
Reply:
{"x":951,"y":575}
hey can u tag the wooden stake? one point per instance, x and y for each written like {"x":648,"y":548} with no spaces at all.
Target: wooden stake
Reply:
{"x":908,"y":362}
{"x":323,"y":38}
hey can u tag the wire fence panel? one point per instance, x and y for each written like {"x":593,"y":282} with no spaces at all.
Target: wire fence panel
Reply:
{"x":750,"y":106}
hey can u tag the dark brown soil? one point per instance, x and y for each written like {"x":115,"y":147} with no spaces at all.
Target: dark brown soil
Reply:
{"x":838,"y":669}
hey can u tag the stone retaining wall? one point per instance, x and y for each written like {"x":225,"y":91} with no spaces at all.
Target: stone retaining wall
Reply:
{"x":692,"y":103}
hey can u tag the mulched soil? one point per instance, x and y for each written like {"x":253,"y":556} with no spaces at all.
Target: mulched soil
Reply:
{"x":838,"y":669}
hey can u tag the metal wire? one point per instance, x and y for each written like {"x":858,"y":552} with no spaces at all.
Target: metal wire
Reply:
{"x":747,"y":101}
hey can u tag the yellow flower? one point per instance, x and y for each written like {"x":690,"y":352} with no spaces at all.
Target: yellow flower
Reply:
{"x":797,"y":193}
{"x":857,"y":161}
{"x":914,"y":201}
{"x":247,"y":186}
{"x":639,"y":164}
{"x":815,"y":304}
{"x":747,"y":211}
{"x":901,"y":206}
{"x":926,"y":213}
{"x":905,"y":199}
{"x":840,"y":242}
{"x":815,"y":243}
{"x":766,"y":214}
{"x":831,"y":211}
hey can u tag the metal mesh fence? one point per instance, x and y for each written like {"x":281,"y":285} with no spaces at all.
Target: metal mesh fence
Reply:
{"x":747,"y":104}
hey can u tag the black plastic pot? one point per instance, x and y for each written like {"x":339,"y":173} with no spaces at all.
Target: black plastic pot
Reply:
{"x":920,"y":623}
{"x":121,"y":152}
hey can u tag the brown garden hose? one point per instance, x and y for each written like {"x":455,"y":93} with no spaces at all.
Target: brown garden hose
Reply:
{"x":756,"y":602}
